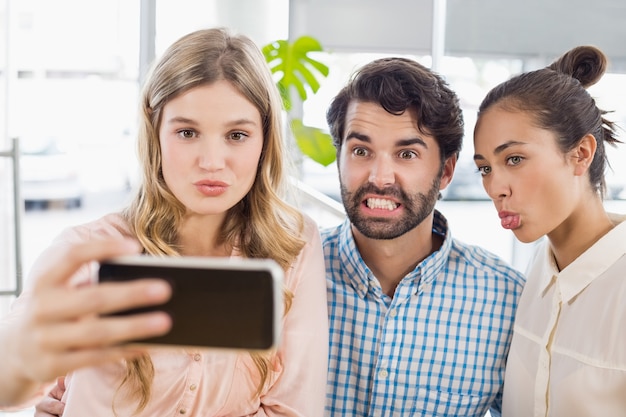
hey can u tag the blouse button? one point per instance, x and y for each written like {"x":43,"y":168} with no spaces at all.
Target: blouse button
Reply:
{"x":193,"y":387}
{"x":183,"y":411}
{"x":196,"y":357}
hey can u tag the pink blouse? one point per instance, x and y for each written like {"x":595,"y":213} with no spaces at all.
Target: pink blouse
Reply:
{"x":212,"y":382}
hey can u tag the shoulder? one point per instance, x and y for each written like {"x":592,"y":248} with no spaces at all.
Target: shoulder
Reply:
{"x":484,"y":262}
{"x":330,"y":235}
{"x":309,"y":264}
{"x":110,"y":225}
{"x":310,"y":236}
{"x":309,"y":227}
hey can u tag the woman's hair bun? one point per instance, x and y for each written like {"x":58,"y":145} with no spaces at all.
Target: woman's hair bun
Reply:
{"x":585,"y":63}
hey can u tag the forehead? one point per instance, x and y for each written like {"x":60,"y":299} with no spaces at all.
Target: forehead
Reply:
{"x":371,"y":120}
{"x":219,"y":99}
{"x":501,"y":128}
{"x":369,"y":115}
{"x":503,"y":124}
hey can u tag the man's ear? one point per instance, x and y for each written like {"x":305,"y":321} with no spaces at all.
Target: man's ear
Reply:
{"x":447,"y":172}
{"x":583,"y":154}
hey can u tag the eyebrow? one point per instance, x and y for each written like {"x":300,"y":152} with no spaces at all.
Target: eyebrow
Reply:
{"x":401,"y":142}
{"x":236,"y":122}
{"x":242,"y":121}
{"x":500,"y":148}
{"x":182,"y":120}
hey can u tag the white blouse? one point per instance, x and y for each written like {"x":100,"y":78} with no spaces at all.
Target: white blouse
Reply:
{"x":568,"y":354}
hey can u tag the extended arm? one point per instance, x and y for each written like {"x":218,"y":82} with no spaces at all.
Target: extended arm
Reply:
{"x":56,"y":328}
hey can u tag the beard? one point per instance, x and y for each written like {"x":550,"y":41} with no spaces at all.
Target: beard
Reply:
{"x":417,"y":207}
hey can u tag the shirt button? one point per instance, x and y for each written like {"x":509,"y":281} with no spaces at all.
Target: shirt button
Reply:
{"x":393,"y":313}
{"x":196,"y":357}
{"x":193,"y":387}
{"x":183,"y":411}
{"x":383,"y":374}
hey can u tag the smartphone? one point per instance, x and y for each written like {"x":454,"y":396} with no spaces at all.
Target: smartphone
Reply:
{"x":230,"y":303}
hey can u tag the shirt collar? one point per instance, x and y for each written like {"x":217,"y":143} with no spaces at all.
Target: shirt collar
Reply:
{"x":360,"y":275}
{"x":589,"y":265}
{"x":355,"y":270}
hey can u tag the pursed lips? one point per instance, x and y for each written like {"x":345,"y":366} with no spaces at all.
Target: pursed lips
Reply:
{"x":210,"y":183}
{"x":211,"y":188}
{"x":509,"y":220}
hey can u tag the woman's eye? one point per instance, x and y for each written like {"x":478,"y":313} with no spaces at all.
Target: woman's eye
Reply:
{"x":186,"y":133}
{"x":514,"y":160}
{"x":407,"y":155}
{"x":483,"y":170}
{"x":238,"y":136}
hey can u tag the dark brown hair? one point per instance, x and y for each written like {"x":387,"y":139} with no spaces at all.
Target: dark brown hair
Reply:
{"x":400,"y":84}
{"x":557,"y":98}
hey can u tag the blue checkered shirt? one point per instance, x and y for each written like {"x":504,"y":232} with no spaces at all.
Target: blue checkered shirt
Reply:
{"x":437,"y":348}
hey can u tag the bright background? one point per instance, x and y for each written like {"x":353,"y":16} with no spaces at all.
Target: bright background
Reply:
{"x":70,"y":72}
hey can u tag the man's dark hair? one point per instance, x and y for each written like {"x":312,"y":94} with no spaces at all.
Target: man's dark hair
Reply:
{"x":400,"y":84}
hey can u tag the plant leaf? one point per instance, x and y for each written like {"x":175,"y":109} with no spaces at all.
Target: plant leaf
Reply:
{"x":314,"y":142}
{"x":295,"y":68}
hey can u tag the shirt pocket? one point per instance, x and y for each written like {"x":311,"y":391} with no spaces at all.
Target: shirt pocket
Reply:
{"x":445,"y":404}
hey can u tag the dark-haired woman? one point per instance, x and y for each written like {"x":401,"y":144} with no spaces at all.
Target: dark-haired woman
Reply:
{"x":540,"y":147}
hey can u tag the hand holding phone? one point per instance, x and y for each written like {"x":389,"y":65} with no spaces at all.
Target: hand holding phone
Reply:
{"x":231,"y":303}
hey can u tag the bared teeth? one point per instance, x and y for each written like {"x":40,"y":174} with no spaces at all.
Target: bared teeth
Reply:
{"x":381,"y":203}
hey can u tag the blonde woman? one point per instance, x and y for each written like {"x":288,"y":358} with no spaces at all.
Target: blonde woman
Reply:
{"x":213,"y":168}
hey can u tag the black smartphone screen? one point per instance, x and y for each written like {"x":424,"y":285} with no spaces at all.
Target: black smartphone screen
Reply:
{"x":210,"y":306}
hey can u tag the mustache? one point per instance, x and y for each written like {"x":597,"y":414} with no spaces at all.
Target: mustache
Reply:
{"x":391,"y":191}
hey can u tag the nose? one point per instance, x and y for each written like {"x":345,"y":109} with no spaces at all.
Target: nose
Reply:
{"x":382,"y":173}
{"x":212,"y":155}
{"x":496,"y":186}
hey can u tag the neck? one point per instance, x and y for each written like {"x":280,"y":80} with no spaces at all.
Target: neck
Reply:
{"x":391,"y":260}
{"x":579,"y":232}
{"x":200,"y":236}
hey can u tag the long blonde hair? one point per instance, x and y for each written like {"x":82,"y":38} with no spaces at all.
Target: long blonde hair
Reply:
{"x":262,"y":224}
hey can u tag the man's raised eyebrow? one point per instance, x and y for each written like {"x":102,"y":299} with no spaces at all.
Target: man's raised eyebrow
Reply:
{"x":500,"y":148}
{"x":412,"y":141}
{"x":358,"y":136}
{"x":402,"y":142}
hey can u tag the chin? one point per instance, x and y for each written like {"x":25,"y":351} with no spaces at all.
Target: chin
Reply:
{"x":525,"y":237}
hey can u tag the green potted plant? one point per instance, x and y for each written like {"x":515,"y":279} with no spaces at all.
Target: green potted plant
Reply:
{"x":299,"y":72}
